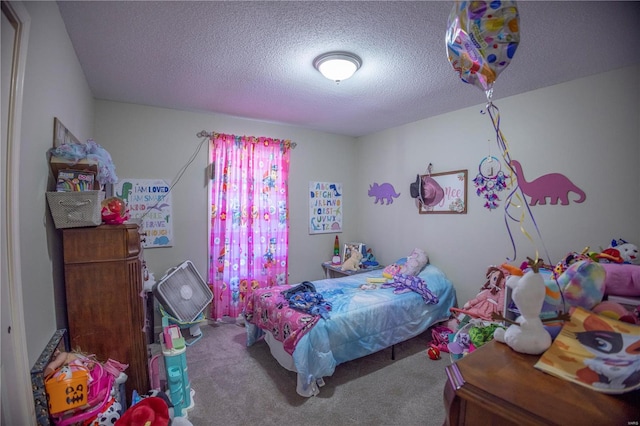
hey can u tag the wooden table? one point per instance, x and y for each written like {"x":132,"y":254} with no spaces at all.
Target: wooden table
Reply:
{"x":495,"y":385}
{"x":335,"y":271}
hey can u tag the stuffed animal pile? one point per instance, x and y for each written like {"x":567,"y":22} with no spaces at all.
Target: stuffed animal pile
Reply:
{"x":620,"y":251}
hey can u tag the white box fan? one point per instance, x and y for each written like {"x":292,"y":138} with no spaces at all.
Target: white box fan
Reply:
{"x":183,"y":293}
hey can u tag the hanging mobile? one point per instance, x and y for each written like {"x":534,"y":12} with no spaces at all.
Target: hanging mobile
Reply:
{"x":489,"y":181}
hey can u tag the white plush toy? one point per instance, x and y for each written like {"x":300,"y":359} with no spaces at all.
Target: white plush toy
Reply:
{"x":353,"y":262}
{"x":527,"y":335}
{"x":416,"y":261}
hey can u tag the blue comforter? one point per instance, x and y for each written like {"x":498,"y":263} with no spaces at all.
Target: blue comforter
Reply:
{"x":363,"y":322}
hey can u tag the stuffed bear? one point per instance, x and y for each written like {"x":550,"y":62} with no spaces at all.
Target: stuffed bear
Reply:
{"x":353,"y":262}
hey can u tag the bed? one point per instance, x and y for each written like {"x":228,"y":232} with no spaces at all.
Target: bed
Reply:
{"x":362,"y":320}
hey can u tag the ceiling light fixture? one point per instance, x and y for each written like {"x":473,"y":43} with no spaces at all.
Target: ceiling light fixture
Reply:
{"x":337,"y":66}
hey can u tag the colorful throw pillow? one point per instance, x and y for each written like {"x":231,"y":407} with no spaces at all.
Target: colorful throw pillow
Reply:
{"x":583,"y":284}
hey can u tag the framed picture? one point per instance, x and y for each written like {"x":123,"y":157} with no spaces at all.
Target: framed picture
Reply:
{"x":61,"y":134}
{"x":349,"y":248}
{"x":443,"y":193}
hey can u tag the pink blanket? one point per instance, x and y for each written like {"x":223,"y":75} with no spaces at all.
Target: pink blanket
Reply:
{"x":268,"y":309}
{"x":622,"y":279}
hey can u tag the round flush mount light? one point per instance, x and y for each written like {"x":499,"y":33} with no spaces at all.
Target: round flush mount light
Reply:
{"x":337,"y":66}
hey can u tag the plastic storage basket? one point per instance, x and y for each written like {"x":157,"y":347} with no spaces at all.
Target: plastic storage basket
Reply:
{"x":76,"y":209}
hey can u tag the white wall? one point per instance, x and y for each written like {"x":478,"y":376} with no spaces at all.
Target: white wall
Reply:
{"x":149,"y":143}
{"x":586,"y":129}
{"x":54,"y":86}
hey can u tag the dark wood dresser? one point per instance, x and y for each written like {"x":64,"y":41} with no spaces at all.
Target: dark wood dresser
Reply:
{"x":105,"y":309}
{"x":495,"y":385}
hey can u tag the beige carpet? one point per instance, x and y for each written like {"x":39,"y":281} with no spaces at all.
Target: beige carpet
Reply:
{"x":239,"y":385}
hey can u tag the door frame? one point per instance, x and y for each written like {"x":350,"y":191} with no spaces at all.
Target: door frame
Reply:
{"x":16,"y":404}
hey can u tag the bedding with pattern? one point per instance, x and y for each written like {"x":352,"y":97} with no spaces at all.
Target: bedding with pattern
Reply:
{"x":363,"y":319}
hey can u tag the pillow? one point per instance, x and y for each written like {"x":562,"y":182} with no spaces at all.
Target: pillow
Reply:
{"x":623,"y":279}
{"x":416,"y":262}
{"x":583,"y":284}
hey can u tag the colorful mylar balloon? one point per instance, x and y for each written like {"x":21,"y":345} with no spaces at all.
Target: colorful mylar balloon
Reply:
{"x":482,"y":37}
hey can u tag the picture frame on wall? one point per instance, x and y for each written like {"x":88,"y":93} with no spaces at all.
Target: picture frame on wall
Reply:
{"x":349,"y":248}
{"x":62,"y":135}
{"x":443,"y":193}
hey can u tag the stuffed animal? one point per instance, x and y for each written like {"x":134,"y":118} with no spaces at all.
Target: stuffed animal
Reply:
{"x":490,"y":299}
{"x":353,"y":262}
{"x":60,"y":359}
{"x":527,"y":335}
{"x":416,"y":261}
{"x":583,"y":283}
{"x":620,"y":251}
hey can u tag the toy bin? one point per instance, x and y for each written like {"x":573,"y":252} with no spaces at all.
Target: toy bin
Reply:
{"x":67,"y":389}
{"x":75,"y":209}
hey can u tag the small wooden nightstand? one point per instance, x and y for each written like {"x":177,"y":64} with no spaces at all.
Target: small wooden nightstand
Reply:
{"x":335,"y":271}
{"x":495,"y":385}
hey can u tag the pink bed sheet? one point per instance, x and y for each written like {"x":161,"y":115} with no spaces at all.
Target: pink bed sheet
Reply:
{"x":268,"y":309}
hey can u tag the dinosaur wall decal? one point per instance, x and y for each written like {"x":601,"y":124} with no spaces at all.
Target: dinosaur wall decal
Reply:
{"x":554,"y":186}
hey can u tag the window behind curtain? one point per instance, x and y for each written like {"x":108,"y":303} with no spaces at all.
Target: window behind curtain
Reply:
{"x":249,"y":233}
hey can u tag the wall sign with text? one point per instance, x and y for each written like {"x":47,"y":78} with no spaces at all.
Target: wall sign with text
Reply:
{"x":449,"y":193}
{"x":325,"y":207}
{"x":149,"y":200}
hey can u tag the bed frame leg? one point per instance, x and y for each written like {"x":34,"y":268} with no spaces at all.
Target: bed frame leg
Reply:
{"x":393,"y":352}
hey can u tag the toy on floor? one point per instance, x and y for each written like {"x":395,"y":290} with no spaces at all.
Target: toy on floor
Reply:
{"x":60,"y":359}
{"x":490,"y":299}
{"x":433,"y":352}
{"x":527,"y":335}
{"x":440,"y":337}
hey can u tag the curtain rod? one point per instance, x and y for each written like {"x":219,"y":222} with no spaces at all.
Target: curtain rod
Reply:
{"x":205,"y":134}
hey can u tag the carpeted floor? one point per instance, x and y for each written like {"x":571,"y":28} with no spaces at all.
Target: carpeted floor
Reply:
{"x":239,"y":385}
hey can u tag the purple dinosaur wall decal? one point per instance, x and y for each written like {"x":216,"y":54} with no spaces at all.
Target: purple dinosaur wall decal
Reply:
{"x":554,"y":186}
{"x":382,"y":192}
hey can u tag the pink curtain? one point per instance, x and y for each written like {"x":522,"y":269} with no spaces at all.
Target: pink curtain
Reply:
{"x":248,"y":244}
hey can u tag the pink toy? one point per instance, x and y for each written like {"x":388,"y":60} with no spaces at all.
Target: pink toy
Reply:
{"x":491,"y":297}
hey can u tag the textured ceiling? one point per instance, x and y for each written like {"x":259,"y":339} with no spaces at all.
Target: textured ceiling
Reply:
{"x":254,"y":59}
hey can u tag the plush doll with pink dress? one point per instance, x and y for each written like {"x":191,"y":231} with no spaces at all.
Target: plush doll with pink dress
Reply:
{"x":491,"y":296}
